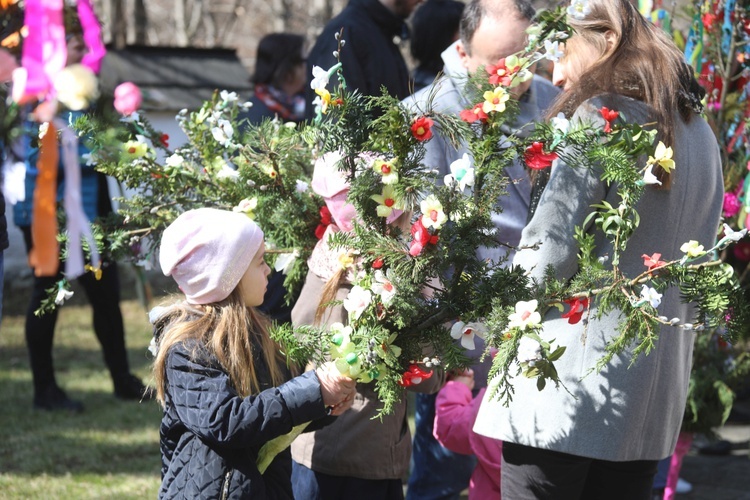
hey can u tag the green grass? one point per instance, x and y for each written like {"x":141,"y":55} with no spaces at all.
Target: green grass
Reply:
{"x":109,"y":451}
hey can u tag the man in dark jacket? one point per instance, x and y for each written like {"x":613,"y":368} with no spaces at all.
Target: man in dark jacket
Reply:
{"x":371,"y":57}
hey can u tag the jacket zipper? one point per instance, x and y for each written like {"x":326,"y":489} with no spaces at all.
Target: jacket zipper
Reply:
{"x":225,"y":485}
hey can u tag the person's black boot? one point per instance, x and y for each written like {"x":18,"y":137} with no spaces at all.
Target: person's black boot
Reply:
{"x":130,"y":387}
{"x":54,"y":399}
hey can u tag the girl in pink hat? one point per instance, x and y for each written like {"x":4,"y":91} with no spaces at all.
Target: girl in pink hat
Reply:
{"x":220,"y":378}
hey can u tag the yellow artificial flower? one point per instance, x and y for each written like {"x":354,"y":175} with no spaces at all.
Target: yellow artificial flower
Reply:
{"x":692,"y":249}
{"x":662,"y":157}
{"x":325,"y":98}
{"x":387,"y":169}
{"x":494,"y":100}
{"x":135,"y":149}
{"x":386,"y":201}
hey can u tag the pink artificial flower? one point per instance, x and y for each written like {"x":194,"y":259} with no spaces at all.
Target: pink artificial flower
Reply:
{"x":127,"y":98}
{"x":653,"y":262}
{"x":732,"y":205}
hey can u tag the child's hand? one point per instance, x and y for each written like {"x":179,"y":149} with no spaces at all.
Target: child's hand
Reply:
{"x":337,"y":391}
{"x":466,"y":378}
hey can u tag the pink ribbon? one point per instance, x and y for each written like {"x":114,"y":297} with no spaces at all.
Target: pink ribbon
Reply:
{"x":44,"y":49}
{"x":92,"y":36}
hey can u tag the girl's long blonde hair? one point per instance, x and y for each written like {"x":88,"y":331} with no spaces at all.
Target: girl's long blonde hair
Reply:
{"x":644,"y":64}
{"x":225,"y":330}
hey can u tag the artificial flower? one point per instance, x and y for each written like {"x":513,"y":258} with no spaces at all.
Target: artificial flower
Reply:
{"x":536,"y":158}
{"x":383,"y":286}
{"x":529,"y":351}
{"x":247,"y":207}
{"x":579,"y":9}
{"x":692,"y":249}
{"x":164,"y":140}
{"x":387,"y":169}
{"x":649,"y":177}
{"x":474,"y":114}
{"x":525,"y":315}
{"x":357,"y":301}
{"x":508,"y":72}
{"x":421,"y":129}
{"x":323,"y":100}
{"x":341,"y":344}
{"x":62,"y":296}
{"x":301,"y":186}
{"x":227,"y":172}
{"x":662,"y":157}
{"x":733,"y":235}
{"x":320,"y":78}
{"x":76,"y":86}
{"x":651,"y":296}
{"x":223,"y":132}
{"x":228,"y":97}
{"x":128,"y":98}
{"x":577,"y":308}
{"x":732,"y":205}
{"x":609,"y":116}
{"x":174,"y":161}
{"x":653,"y":262}
{"x":462,"y":173}
{"x":552,"y":51}
{"x":466,"y":332}
{"x":325,"y":221}
{"x":386,"y":201}
{"x":285,"y":262}
{"x":378,"y":263}
{"x":560,"y":123}
{"x":421,"y":237}
{"x":346,"y":259}
{"x":97,"y":271}
{"x":494,"y":100}
{"x":135,"y":149}
{"x":414,"y":376}
{"x":432,"y":212}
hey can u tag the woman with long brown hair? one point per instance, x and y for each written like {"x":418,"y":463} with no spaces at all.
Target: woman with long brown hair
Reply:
{"x":604,"y":439}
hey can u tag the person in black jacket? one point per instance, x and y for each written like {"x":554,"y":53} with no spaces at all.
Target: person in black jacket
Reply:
{"x":219,"y":376}
{"x":371,"y":57}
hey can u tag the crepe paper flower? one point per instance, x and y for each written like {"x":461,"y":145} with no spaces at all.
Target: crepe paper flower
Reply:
{"x":387,"y":169}
{"x":323,"y":100}
{"x":529,"y":351}
{"x":432,"y":212}
{"x":732,"y":235}
{"x":320,"y":78}
{"x":96,"y":270}
{"x":577,"y":308}
{"x":609,"y":116}
{"x":285,"y":262}
{"x":508,"y":72}
{"x":560,"y":123}
{"x":228,"y":97}
{"x":653,"y":262}
{"x":386,"y":201}
{"x":651,"y":296}
{"x":377,"y":263}
{"x":414,"y":376}
{"x":76,"y":86}
{"x":223,"y":132}
{"x":421,"y":129}
{"x":536,"y":158}
{"x":662,"y":157}
{"x":164,"y":140}
{"x":325,"y":221}
{"x":383,"y":286}
{"x":474,"y":114}
{"x":357,"y":301}
{"x":525,"y":315}
{"x":62,"y":296}
{"x":135,"y":149}
{"x":346,"y":259}
{"x":227,"y":172}
{"x":421,"y":237}
{"x":494,"y":100}
{"x":466,"y":332}
{"x":247,"y":207}
{"x":649,"y":177}
{"x":579,"y":9}
{"x":732,"y":205}
{"x":462,"y":173}
{"x":692,"y":249}
{"x":128,"y":98}
{"x":552,"y":51}
{"x":301,"y":186}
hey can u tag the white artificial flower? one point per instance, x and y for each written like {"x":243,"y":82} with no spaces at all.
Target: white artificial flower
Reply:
{"x":62,"y":296}
{"x":733,"y":235}
{"x":529,"y":351}
{"x":466,"y":332}
{"x":285,"y":262}
{"x":89,"y":159}
{"x":301,"y":186}
{"x":462,"y":173}
{"x":247,"y":206}
{"x":552,"y":51}
{"x":228,"y":97}
{"x":651,"y":296}
{"x":383,"y":286}
{"x":579,"y":9}
{"x":228,"y":172}
{"x":357,"y":301}
{"x":560,"y":123}
{"x":223,"y":132}
{"x":320,"y":78}
{"x":525,"y":315}
{"x":175,"y":160}
{"x":649,"y":177}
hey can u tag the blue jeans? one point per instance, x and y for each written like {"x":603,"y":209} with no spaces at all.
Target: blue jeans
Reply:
{"x":662,"y":471}
{"x":308,"y":484}
{"x":437,"y":473}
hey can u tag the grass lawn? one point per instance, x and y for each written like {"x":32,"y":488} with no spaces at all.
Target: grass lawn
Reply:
{"x":109,"y":451}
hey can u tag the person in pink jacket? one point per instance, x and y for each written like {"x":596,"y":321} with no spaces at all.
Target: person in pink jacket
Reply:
{"x":455,"y":413}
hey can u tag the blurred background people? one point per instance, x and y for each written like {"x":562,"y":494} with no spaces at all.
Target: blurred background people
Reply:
{"x":434,"y":27}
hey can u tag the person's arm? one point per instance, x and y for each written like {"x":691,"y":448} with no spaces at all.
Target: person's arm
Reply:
{"x":210,"y":408}
{"x":455,"y":413}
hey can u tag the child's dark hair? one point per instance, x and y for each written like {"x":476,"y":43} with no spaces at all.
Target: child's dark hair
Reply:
{"x":434,"y":27}
{"x":278,"y":54}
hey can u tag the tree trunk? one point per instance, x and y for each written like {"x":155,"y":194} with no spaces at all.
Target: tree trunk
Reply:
{"x":140,"y":18}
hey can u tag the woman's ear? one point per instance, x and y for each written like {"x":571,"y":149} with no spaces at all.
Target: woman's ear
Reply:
{"x":611,"y":38}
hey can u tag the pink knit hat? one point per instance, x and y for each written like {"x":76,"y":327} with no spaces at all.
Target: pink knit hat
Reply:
{"x":207,"y":251}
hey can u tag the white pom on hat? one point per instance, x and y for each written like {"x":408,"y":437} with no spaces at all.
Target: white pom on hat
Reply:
{"x":207,"y":251}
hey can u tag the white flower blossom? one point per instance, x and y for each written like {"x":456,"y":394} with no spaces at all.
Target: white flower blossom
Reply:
{"x":525,"y":316}
{"x":228,"y":172}
{"x":301,"y":186}
{"x":320,"y":78}
{"x":560,"y":123}
{"x":552,"y":51}
{"x":357,"y":301}
{"x":529,"y":351}
{"x":175,"y":160}
{"x":651,"y":296}
{"x":223,"y":132}
{"x":383,"y":286}
{"x":733,"y":235}
{"x":649,"y":177}
{"x":62,"y":296}
{"x":462,"y":173}
{"x":285,"y":262}
{"x":579,"y":9}
{"x":228,"y":97}
{"x":466,"y":332}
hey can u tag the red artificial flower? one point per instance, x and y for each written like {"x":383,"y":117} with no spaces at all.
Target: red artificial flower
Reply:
{"x":377,"y":263}
{"x":164,"y":139}
{"x":422,"y":128}
{"x":609,"y":116}
{"x":500,"y":74}
{"x":474,"y":114}
{"x":708,"y":20}
{"x":653,"y":261}
{"x":325,"y":221}
{"x":414,"y":376}
{"x":536,"y":158}
{"x":421,"y":238}
{"x":577,"y":308}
